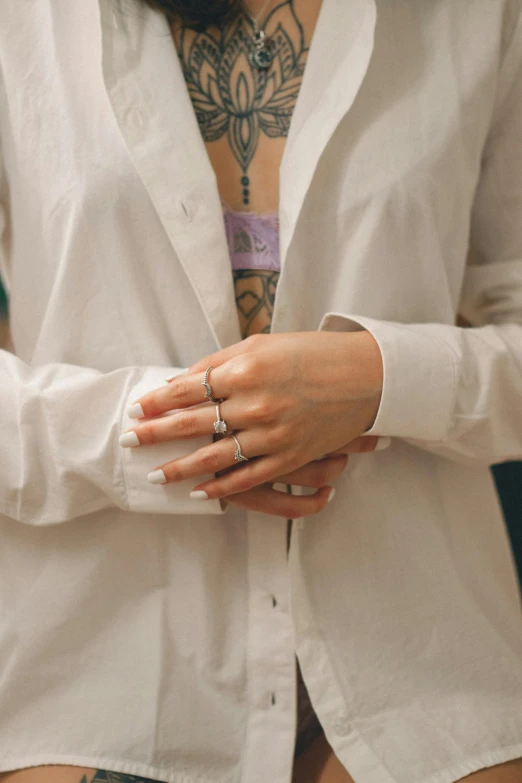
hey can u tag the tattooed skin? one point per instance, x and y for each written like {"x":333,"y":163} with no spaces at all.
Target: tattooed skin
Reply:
{"x":233,"y":98}
{"x":255,"y":295}
{"x":238,"y":104}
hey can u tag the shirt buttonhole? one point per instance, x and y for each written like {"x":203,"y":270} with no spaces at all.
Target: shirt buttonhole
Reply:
{"x":185,"y":212}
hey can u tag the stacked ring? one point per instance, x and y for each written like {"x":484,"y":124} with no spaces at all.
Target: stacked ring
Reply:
{"x":238,"y":456}
{"x":219,"y":424}
{"x":208,"y":390}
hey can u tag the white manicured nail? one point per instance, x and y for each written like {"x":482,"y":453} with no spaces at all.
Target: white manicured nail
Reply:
{"x":129,"y":439}
{"x":157,"y":477}
{"x":332,"y":493}
{"x":199,"y":494}
{"x":383,"y":443}
{"x":135,"y":411}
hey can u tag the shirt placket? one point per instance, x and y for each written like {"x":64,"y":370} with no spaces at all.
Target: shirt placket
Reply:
{"x":271,"y":728}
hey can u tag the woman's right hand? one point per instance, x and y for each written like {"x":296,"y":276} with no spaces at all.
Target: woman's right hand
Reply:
{"x":318,"y":474}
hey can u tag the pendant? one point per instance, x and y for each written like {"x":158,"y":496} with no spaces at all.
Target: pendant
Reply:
{"x":261,"y":57}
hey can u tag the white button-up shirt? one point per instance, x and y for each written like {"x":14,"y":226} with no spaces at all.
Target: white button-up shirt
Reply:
{"x":138,"y":630}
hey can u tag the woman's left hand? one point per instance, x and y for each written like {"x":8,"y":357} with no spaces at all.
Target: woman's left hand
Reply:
{"x":289,"y":398}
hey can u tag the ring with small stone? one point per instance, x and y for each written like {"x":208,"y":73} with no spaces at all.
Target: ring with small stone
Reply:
{"x":208,"y":390}
{"x":219,"y":424}
{"x":238,"y":456}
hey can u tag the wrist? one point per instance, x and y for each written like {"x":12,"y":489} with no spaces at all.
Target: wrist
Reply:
{"x":371,"y":368}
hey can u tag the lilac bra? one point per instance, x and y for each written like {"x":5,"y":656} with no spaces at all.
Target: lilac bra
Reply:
{"x":253,"y":239}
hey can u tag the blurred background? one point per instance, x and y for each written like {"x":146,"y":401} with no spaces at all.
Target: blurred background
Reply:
{"x":508,"y":475}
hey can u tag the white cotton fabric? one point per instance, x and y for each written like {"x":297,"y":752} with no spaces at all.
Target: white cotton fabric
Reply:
{"x":138,"y":631}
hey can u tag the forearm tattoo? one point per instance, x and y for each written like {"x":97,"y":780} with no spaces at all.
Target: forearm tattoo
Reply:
{"x":233,"y":98}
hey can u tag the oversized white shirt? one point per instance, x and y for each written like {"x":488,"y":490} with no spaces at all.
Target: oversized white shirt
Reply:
{"x":148,"y":633}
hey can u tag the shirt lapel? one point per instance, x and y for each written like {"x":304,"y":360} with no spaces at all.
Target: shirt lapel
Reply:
{"x":338,"y":60}
{"x":152,"y":107}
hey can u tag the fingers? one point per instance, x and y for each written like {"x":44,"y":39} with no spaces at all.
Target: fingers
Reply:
{"x":183,"y":391}
{"x":281,"y":504}
{"x":316,"y":473}
{"x":217,"y":456}
{"x":239,"y":372}
{"x":192,"y":423}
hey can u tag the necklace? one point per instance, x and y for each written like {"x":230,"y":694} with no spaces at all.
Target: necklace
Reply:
{"x":261,"y":56}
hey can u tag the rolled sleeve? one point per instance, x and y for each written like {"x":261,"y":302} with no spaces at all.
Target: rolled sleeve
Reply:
{"x":419,"y":380}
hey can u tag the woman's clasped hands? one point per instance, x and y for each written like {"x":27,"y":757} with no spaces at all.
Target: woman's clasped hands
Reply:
{"x":297,"y":402}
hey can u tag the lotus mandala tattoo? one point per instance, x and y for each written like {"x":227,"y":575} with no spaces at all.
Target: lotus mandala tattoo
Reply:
{"x":230,"y":95}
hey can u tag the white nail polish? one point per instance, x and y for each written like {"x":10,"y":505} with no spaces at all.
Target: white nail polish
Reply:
{"x":383,"y":443}
{"x":199,"y":494}
{"x":129,"y":439}
{"x":135,"y":411}
{"x":157,"y":477}
{"x":332,"y":493}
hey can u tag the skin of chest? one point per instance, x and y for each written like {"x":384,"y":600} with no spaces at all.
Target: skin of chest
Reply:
{"x":244,"y":116}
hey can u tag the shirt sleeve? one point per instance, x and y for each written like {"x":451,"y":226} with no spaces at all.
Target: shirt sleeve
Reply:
{"x":457,"y":391}
{"x":59,"y":453}
{"x":60,"y":456}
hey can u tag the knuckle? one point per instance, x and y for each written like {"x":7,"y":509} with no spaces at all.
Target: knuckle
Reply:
{"x":180,"y":391}
{"x":254,"y":341}
{"x":210,"y":461}
{"x":186,"y":424}
{"x":172,"y":473}
{"x":245,"y":484}
{"x":293,"y":459}
{"x":241,"y":372}
{"x":147,"y":434}
{"x":260,"y":411}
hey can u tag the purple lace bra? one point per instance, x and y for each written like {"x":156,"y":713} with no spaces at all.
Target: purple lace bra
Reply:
{"x":253,"y":239}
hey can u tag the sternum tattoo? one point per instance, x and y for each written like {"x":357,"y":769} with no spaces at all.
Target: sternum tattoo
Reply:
{"x":233,"y":98}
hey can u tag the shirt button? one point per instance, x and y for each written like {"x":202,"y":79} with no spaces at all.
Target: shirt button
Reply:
{"x":341,"y":726}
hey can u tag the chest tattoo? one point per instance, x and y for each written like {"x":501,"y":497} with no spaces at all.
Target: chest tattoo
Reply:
{"x":233,"y":98}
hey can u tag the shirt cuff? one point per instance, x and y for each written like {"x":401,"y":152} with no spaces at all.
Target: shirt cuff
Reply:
{"x":419,"y":383}
{"x":138,"y":461}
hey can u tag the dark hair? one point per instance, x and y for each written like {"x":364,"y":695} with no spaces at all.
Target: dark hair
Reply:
{"x":197,"y":14}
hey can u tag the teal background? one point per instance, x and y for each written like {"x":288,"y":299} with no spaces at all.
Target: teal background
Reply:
{"x":508,"y":479}
{"x":3,"y":301}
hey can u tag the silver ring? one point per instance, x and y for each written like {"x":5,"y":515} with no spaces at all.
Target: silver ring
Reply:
{"x":219,"y":424}
{"x":208,"y":390}
{"x":238,"y":456}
